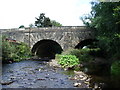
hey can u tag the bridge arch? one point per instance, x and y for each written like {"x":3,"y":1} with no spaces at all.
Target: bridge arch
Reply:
{"x":46,"y":48}
{"x":85,"y":42}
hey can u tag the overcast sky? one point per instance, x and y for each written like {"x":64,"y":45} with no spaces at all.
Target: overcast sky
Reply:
{"x":14,"y":13}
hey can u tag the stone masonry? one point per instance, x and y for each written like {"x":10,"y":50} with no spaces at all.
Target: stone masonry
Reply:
{"x":66,"y":37}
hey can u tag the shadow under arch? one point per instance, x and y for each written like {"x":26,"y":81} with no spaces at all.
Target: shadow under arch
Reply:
{"x":85,"y":42}
{"x":46,"y":48}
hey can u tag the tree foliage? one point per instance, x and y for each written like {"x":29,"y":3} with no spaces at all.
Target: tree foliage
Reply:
{"x":43,"y":21}
{"x":115,"y":68}
{"x":54,"y":23}
{"x":105,"y":20}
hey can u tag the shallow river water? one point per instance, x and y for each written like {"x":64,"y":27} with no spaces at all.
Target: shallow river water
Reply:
{"x":38,"y":74}
{"x":34,"y":74}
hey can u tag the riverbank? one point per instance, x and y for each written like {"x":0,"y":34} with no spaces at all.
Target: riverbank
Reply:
{"x":82,"y":79}
{"x":101,"y":80}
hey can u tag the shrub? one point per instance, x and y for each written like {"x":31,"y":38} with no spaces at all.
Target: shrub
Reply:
{"x":8,"y":50}
{"x":12,"y":51}
{"x":67,"y":60}
{"x":115,"y":68}
{"x":75,"y":52}
{"x":82,"y":54}
{"x":23,"y":50}
{"x":96,"y":52}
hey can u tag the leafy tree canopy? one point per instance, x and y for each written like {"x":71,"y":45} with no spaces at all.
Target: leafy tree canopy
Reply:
{"x":54,"y":23}
{"x":43,"y":21}
{"x":105,"y":20}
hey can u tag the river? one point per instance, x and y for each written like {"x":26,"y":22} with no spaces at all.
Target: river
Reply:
{"x":34,"y":74}
{"x":38,"y":74}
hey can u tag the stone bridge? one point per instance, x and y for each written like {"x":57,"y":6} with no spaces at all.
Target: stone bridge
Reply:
{"x":62,"y":37}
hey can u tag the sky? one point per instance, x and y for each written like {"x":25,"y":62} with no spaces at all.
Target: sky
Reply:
{"x":14,"y":13}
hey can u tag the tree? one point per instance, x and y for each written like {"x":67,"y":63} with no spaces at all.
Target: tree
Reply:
{"x":105,"y":20}
{"x":47,"y":22}
{"x":43,"y":21}
{"x":54,"y":23}
{"x":117,"y":14}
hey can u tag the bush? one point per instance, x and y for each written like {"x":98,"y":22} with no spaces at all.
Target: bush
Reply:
{"x":67,"y":60}
{"x":23,"y":50}
{"x":8,"y":50}
{"x":12,"y":51}
{"x":75,"y":52}
{"x":115,"y":68}
{"x":96,"y":52}
{"x":82,"y":54}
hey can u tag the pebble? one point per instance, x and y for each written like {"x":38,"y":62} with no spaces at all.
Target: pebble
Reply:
{"x":65,"y":69}
{"x":81,"y":76}
{"x":39,"y":69}
{"x":88,"y":79}
{"x":96,"y":86}
{"x":13,"y":78}
{"x":87,"y":83}
{"x":46,"y":77}
{"x":75,"y":78}
{"x":41,"y":79}
{"x":79,"y":72}
{"x":84,"y":78}
{"x":77,"y":84}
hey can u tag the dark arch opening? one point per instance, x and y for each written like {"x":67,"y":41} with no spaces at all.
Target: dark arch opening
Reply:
{"x":86,"y":42}
{"x":46,"y":49}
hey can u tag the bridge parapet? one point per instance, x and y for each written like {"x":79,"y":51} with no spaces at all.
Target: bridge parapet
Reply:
{"x":47,"y":28}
